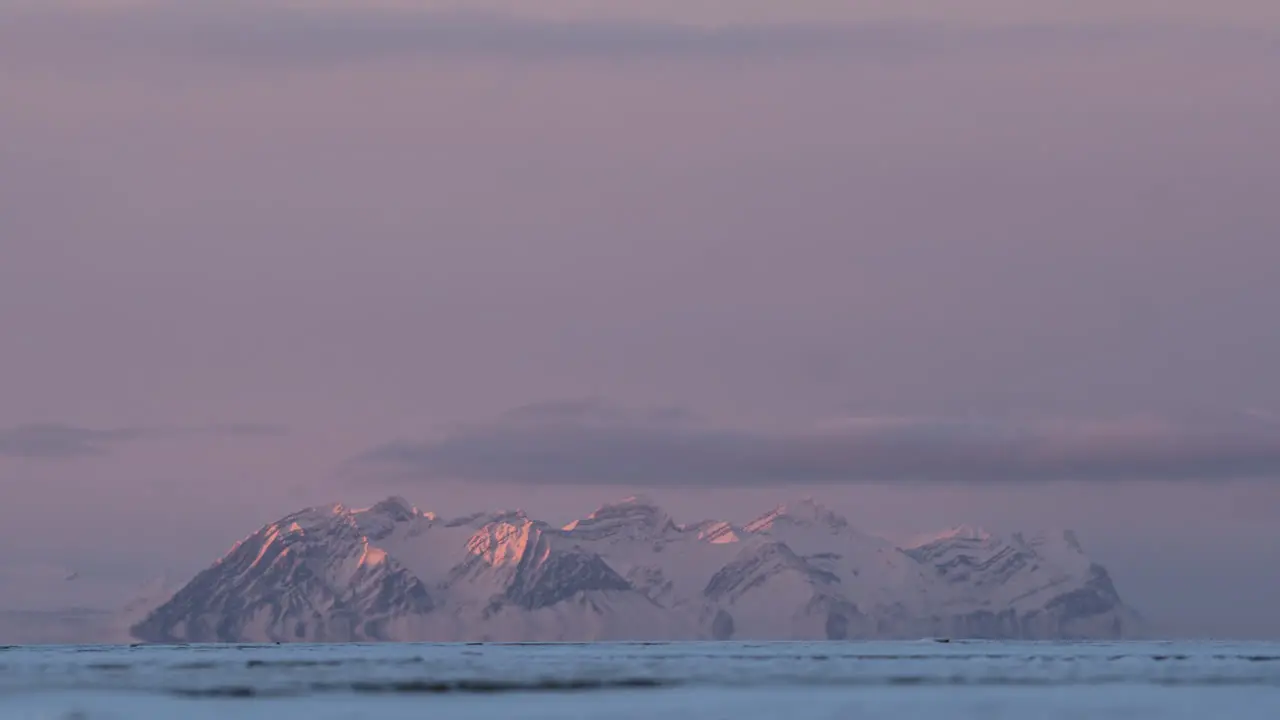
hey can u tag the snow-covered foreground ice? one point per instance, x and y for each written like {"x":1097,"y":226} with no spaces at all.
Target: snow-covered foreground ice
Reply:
{"x":677,"y":680}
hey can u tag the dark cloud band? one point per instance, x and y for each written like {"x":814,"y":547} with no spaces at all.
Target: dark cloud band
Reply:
{"x":68,"y":441}
{"x":604,"y":446}
{"x":274,"y":32}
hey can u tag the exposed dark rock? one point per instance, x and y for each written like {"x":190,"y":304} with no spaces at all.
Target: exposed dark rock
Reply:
{"x":722,"y":626}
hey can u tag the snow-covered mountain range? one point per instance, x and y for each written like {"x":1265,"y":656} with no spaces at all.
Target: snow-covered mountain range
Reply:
{"x":630,"y":572}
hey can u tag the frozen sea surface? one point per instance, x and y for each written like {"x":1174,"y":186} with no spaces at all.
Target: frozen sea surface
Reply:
{"x":898,"y":680}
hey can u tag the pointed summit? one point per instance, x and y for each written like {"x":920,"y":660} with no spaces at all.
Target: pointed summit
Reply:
{"x":634,"y":517}
{"x":382,"y":519}
{"x":805,"y":512}
{"x":958,"y":533}
{"x":630,"y":501}
{"x":395,"y":508}
{"x":966,"y":532}
{"x":1062,"y":546}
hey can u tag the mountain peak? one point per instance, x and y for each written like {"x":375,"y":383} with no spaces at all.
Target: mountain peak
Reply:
{"x":967,"y":532}
{"x":480,"y":519}
{"x":396,"y":508}
{"x":630,"y":503}
{"x":637,"y":500}
{"x":958,"y":532}
{"x":637,"y":515}
{"x":805,"y":512}
{"x":1062,"y":542}
{"x":316,"y":516}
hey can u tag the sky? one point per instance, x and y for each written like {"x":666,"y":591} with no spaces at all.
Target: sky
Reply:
{"x":999,"y":263}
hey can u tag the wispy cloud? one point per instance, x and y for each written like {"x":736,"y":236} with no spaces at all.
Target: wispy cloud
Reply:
{"x":280,"y":32}
{"x":596,"y":444}
{"x":239,"y":430}
{"x":58,"y":441}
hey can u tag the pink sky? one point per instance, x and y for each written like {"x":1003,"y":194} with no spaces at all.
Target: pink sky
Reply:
{"x":365,"y":227}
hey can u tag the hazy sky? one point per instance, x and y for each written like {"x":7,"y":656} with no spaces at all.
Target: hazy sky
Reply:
{"x":994,"y":262}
